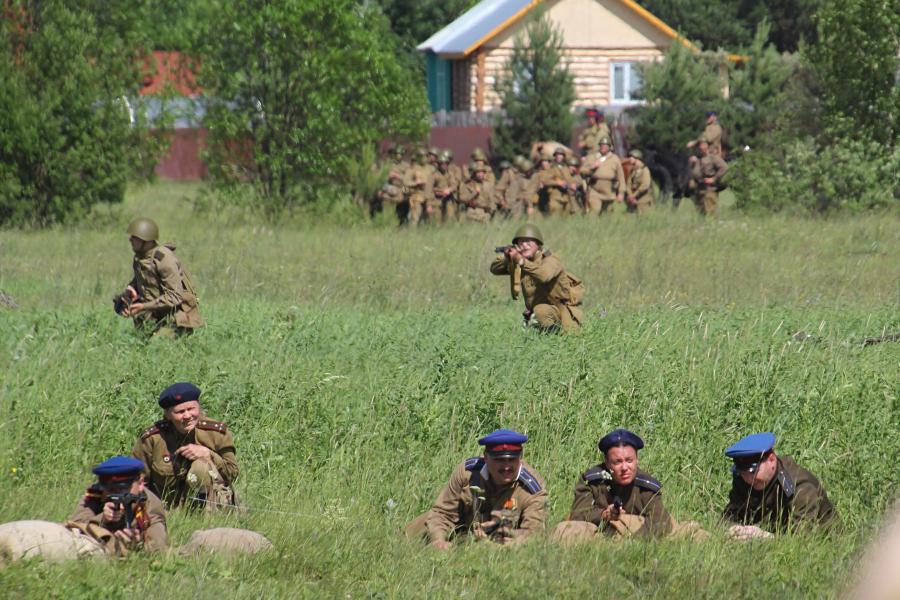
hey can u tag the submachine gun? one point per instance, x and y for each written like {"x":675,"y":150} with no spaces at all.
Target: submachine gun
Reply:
{"x":127,"y":502}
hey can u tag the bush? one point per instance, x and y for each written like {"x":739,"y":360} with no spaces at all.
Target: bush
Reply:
{"x":808,"y":177}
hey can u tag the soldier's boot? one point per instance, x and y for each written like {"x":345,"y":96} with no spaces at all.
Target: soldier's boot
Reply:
{"x":417,"y":528}
{"x":573,"y":532}
{"x":547,"y":317}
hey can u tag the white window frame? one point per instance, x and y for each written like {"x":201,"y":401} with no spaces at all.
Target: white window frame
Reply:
{"x":629,"y":71}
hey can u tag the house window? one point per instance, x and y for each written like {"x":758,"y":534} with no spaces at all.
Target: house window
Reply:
{"x":625,"y":80}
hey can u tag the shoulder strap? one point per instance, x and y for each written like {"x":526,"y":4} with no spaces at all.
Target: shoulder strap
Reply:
{"x":210,"y":425}
{"x":473,"y":466}
{"x":786,"y":482}
{"x":154,"y":429}
{"x":596,"y":476}
{"x":648,"y":483}
{"x":528,"y":481}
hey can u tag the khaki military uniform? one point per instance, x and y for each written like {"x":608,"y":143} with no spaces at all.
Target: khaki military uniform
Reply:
{"x":503,"y":189}
{"x":165,"y":289}
{"x":605,"y":178}
{"x":488,"y":174}
{"x":591,"y":136}
{"x":445,"y":195}
{"x":524,"y":194}
{"x":640,"y":185}
{"x":554,"y":185}
{"x":478,"y":198}
{"x":174,"y":478}
{"x":149,"y":519}
{"x":794,"y":499}
{"x":642,"y":498}
{"x":418,"y":184}
{"x":577,"y":194}
{"x":712,"y":133}
{"x":459,"y":511}
{"x":706,"y":196}
{"x":552,"y":295}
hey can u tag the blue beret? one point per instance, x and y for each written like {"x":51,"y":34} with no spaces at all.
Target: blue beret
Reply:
{"x":710,"y":113}
{"x":503,"y":436}
{"x":752,"y":446}
{"x":119,"y":467}
{"x":620,"y":437}
{"x":178,"y":393}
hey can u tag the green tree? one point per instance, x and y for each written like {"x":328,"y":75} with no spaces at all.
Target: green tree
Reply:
{"x":678,"y":90}
{"x":296,"y":91}
{"x":536,"y":90}
{"x":72,"y":127}
{"x":857,"y":62}
{"x":757,"y":99}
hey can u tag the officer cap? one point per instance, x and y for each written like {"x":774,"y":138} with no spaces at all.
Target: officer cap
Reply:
{"x":711,"y":113}
{"x":559,"y":150}
{"x":529,"y":231}
{"x":144,"y":229}
{"x":591,"y":112}
{"x":604,"y":141}
{"x":572,"y":161}
{"x":503,"y":443}
{"x":620,"y":437}
{"x":749,"y":451}
{"x":478,"y":154}
{"x":177,"y":393}
{"x":119,"y":468}
{"x":505,"y":164}
{"x":636,"y":154}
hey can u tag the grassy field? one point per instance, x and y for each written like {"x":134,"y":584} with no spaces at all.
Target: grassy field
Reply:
{"x":357,"y":365}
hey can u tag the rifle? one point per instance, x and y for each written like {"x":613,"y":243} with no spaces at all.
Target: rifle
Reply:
{"x":515,"y":278}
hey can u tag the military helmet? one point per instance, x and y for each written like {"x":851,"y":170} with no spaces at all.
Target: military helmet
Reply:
{"x":445,"y":156}
{"x":475,"y":167}
{"x":636,"y":154}
{"x":433,"y":150}
{"x":478,"y":154}
{"x":529,"y":231}
{"x":144,"y":229}
{"x":572,"y":161}
{"x":518,"y":160}
{"x":604,"y":140}
{"x":559,"y":150}
{"x":449,"y":153}
{"x":526,"y":165}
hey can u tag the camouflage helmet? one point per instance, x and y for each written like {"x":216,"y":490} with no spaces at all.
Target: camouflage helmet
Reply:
{"x":572,"y":161}
{"x":636,"y":154}
{"x":478,"y":154}
{"x":529,"y":231}
{"x":144,"y":229}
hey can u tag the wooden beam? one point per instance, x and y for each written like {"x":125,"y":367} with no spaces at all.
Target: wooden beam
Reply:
{"x":479,"y":81}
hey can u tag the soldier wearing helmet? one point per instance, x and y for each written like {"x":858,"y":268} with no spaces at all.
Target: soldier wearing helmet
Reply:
{"x":552,"y":295}
{"x":605,"y":178}
{"x":161,"y":296}
{"x":524,"y":193}
{"x":477,"y":194}
{"x":504,"y":187}
{"x":712,"y":133}
{"x":445,"y":190}
{"x":577,"y":190}
{"x":554,"y":180}
{"x":479,"y":158}
{"x":639,"y":194}
{"x":418,"y":183}
{"x":596,"y":130}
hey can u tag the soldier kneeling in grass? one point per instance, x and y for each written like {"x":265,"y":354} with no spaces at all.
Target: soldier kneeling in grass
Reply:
{"x":495,"y":497}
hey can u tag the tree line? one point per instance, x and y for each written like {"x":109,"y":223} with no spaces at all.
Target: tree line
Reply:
{"x":299,"y":94}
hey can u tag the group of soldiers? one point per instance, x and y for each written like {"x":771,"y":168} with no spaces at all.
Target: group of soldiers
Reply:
{"x":554,"y":180}
{"x":499,"y":497}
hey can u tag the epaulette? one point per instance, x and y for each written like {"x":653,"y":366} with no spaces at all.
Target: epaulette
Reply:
{"x":647,"y":482}
{"x":596,"y":476}
{"x":210,"y":425}
{"x":787,"y":483}
{"x":529,"y":482}
{"x":474,"y":464}
{"x":93,"y":493}
{"x":151,"y":431}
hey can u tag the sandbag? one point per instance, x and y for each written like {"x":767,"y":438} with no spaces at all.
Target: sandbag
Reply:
{"x":227,"y":540}
{"x":43,"y":539}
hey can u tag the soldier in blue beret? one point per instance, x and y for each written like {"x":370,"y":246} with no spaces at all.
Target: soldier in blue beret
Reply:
{"x":771,"y":493}
{"x":118,"y":512}
{"x":496,"y":497}
{"x":615,"y":497}
{"x":188,"y":456}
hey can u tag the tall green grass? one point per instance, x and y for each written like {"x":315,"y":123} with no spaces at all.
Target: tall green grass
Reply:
{"x":357,"y":366}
